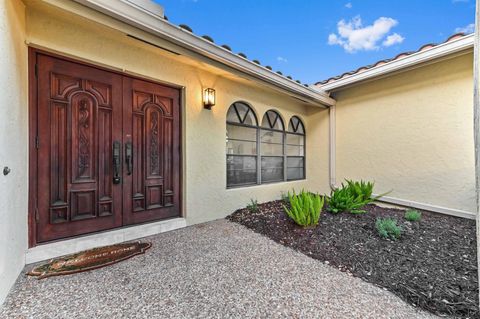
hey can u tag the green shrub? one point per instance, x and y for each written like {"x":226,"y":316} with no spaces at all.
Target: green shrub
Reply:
{"x":253,"y":206}
{"x":413,"y":215}
{"x":351,"y":197}
{"x":388,"y":228}
{"x":361,"y":190}
{"x":341,"y":200}
{"x":305,"y":208}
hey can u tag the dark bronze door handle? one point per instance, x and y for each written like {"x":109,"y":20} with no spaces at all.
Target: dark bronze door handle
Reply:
{"x":116,"y":162}
{"x":129,"y":157}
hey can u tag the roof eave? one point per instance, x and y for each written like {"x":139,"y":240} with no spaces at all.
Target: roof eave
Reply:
{"x":452,"y":48}
{"x":140,"y":18}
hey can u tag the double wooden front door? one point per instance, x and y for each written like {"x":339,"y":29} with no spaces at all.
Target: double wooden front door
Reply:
{"x":107,"y":149}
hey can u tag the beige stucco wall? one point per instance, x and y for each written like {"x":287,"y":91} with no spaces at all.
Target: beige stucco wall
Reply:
{"x":205,"y":195}
{"x":318,"y":151}
{"x":13,"y":143}
{"x":412,"y":133}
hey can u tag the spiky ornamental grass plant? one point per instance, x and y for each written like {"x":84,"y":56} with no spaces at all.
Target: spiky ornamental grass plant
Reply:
{"x":305,"y":208}
{"x":351,"y":197}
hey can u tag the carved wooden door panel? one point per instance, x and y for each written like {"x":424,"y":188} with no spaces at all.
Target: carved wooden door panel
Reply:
{"x":152,"y":132}
{"x":79,"y":118}
{"x":107,"y":153}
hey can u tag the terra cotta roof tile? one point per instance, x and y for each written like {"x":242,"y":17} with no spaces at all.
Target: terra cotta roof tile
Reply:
{"x":384,"y":61}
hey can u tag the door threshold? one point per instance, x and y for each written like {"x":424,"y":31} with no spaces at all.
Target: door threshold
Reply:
{"x":115,"y":236}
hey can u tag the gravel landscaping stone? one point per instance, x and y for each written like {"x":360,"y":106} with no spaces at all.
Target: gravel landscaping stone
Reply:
{"x":213,"y":270}
{"x":433,"y":265}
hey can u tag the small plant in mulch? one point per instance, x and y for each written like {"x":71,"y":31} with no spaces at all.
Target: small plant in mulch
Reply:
{"x":305,"y":208}
{"x":253,"y":206}
{"x":388,"y":228}
{"x":413,"y":215}
{"x":352,"y":197}
{"x":284,"y":197}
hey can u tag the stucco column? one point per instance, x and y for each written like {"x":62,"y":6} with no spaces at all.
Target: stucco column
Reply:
{"x":13,"y":143}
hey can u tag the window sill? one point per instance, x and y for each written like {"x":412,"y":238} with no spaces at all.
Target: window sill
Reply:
{"x":250,"y":186}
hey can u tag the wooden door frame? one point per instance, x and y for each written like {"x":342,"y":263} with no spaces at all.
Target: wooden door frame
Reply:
{"x":32,"y":148}
{"x":33,"y":133}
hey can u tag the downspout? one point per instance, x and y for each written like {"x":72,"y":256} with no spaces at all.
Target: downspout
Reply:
{"x":332,"y":146}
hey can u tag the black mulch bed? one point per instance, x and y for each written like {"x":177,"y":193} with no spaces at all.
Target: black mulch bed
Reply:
{"x":432,"y":266}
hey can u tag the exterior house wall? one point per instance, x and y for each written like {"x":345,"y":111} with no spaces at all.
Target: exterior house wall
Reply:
{"x":13,"y":143}
{"x":412,"y":133}
{"x":205,"y":194}
{"x":318,"y":151}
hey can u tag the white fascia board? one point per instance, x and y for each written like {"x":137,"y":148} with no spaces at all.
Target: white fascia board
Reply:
{"x":138,"y":17}
{"x":440,"y":51}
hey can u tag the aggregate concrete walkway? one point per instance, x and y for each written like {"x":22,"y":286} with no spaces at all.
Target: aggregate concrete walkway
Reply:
{"x":213,"y":270}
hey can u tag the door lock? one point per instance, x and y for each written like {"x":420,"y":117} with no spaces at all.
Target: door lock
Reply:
{"x":116,"y":162}
{"x":129,"y":157}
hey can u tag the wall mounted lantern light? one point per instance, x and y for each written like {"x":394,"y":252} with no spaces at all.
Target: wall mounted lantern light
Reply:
{"x":208,"y":98}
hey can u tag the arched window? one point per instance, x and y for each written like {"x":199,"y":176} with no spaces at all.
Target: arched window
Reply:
{"x":242,"y":145}
{"x":263,"y":154}
{"x":272,"y":148}
{"x":295,"y":149}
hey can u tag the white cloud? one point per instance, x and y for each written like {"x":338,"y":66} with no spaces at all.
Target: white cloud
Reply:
{"x":282,"y":59}
{"x":466,"y":29}
{"x":353,"y":36}
{"x":393,"y":39}
{"x":348,"y":5}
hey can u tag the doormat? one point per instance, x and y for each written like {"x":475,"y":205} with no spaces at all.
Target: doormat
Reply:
{"x":89,"y":259}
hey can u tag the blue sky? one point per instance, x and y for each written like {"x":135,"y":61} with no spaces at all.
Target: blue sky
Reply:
{"x":313,"y":40}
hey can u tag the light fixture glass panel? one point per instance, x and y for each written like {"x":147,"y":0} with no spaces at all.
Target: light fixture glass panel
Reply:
{"x":209,"y":97}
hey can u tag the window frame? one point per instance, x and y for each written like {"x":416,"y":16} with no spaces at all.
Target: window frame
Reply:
{"x":304,"y":156}
{"x":258,"y":127}
{"x":240,"y":124}
{"x":261,"y":127}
